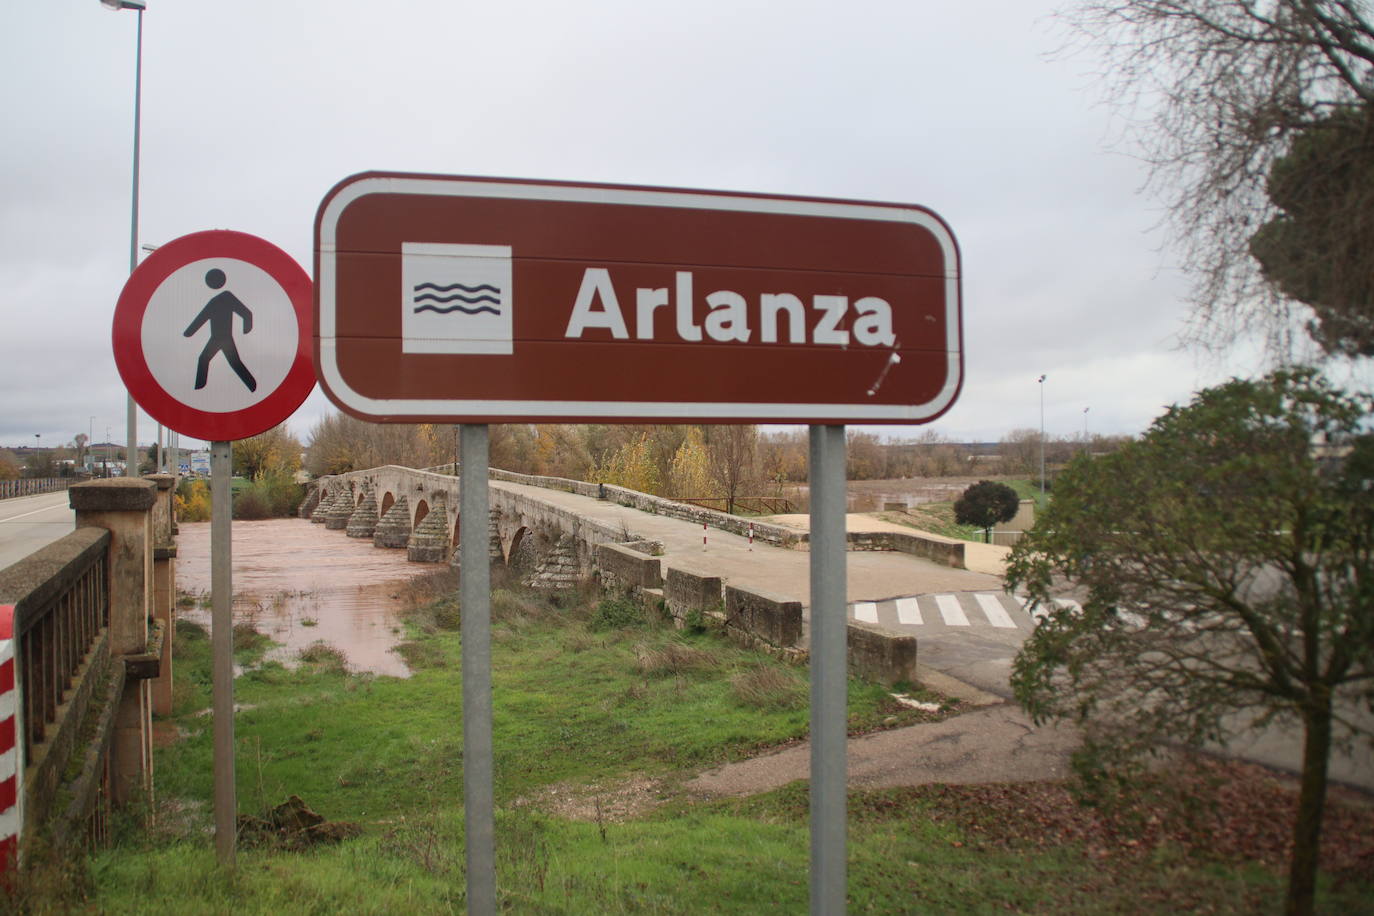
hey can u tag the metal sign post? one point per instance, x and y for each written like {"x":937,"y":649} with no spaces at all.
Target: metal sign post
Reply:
{"x":829,"y":674}
{"x":450,"y":299}
{"x":212,"y":337}
{"x":222,"y":646}
{"x":475,"y":597}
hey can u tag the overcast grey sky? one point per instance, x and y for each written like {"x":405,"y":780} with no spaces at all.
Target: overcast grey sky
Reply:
{"x":253,"y":109}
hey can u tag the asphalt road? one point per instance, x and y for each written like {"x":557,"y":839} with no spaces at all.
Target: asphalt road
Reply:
{"x":30,"y":522}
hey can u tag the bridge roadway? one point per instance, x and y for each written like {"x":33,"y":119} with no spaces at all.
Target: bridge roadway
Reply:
{"x":30,"y":522}
{"x":968,"y":627}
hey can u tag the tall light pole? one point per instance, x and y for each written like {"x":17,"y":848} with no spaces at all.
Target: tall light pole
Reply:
{"x":90,"y":442}
{"x":1041,"y":380}
{"x":1085,"y":426}
{"x":131,"y":462}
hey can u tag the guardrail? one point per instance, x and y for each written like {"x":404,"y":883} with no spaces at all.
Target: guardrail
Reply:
{"x":88,"y":617}
{"x":33,"y":486}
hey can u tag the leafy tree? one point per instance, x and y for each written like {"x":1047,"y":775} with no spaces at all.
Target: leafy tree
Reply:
{"x":9,"y":466}
{"x":631,"y":466}
{"x":1227,"y":563}
{"x":1228,"y":86}
{"x":273,"y":452}
{"x":689,"y":475}
{"x":985,"y":504}
{"x":1320,"y":248}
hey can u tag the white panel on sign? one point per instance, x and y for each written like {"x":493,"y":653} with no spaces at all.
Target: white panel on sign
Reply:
{"x":456,"y":298}
{"x":219,"y":334}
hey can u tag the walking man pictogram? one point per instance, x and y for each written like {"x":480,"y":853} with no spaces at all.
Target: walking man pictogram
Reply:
{"x":220,"y":312}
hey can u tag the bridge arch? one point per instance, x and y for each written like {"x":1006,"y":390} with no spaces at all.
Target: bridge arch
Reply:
{"x":388,"y":500}
{"x":421,"y":510}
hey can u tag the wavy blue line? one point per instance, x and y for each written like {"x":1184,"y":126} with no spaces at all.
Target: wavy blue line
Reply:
{"x":430,"y":297}
{"x":480,"y":287}
{"x":480,"y":310}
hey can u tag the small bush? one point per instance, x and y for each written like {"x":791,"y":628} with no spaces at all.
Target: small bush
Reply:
{"x":616,"y":614}
{"x":324,"y":658}
{"x":672,"y":658}
{"x":767,"y":687}
{"x":193,"y":501}
{"x":422,"y":653}
{"x":272,"y":494}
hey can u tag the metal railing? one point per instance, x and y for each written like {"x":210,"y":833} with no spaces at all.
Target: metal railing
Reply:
{"x":33,"y":486}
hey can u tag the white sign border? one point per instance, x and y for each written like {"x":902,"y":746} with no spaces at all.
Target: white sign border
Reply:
{"x":473,"y":410}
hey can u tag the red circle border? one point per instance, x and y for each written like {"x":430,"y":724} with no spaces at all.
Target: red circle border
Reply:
{"x":133,"y":364}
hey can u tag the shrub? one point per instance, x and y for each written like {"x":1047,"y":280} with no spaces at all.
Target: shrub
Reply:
{"x":672,"y":658}
{"x":193,"y":501}
{"x":616,"y":614}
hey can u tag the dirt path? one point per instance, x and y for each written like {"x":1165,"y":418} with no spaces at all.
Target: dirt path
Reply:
{"x":991,"y":744}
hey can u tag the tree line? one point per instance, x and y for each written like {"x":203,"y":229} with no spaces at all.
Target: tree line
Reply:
{"x":687,"y":461}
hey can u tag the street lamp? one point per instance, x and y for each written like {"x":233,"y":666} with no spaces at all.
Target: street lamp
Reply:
{"x":1041,"y":381}
{"x":1085,"y":426}
{"x":130,"y":466}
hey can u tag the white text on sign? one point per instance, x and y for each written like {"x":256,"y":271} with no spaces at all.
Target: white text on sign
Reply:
{"x":729,"y":319}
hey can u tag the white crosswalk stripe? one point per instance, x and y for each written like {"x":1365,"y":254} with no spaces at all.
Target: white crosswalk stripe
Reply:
{"x":993,"y":610}
{"x":999,"y":610}
{"x":951,"y":611}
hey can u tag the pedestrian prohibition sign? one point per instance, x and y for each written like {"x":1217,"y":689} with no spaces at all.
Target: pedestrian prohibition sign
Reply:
{"x":213,"y":335}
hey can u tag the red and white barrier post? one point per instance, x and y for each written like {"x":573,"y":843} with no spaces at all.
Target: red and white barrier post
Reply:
{"x":751,"y":536}
{"x":11,"y":767}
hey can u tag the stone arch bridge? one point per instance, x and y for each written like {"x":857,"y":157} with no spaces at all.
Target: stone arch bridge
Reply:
{"x":418,"y":510}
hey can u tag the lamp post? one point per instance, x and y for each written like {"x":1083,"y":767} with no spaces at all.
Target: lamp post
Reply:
{"x":90,"y":441}
{"x":131,"y":463}
{"x":1085,"y":426}
{"x":1041,"y":381}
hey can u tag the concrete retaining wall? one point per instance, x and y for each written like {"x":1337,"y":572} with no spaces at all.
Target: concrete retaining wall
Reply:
{"x":775,"y":620}
{"x":946,"y":551}
{"x":881,"y":657}
{"x":684,"y":592}
{"x":627,"y":570}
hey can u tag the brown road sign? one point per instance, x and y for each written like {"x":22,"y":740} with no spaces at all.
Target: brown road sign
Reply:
{"x":447,"y":299}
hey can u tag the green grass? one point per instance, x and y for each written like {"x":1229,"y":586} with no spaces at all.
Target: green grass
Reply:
{"x":574,"y":707}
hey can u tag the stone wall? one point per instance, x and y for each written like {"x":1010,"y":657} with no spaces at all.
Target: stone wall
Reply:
{"x":685,"y":592}
{"x":624,"y":569}
{"x":946,"y":551}
{"x":881,"y":657}
{"x":773,"y":619}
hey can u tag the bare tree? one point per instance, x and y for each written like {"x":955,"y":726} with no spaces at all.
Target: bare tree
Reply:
{"x":1227,"y":86}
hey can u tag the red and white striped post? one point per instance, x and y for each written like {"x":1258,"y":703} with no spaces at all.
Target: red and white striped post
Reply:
{"x":703,"y":537}
{"x":11,"y":767}
{"x":751,"y":536}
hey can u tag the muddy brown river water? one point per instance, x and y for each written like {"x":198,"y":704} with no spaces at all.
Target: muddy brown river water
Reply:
{"x":299,"y":583}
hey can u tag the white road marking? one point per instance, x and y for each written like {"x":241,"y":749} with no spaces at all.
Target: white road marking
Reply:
{"x":908,"y":611}
{"x":867,"y":611}
{"x":15,"y":518}
{"x":1039,"y":614}
{"x":996,"y":614}
{"x":951,"y":611}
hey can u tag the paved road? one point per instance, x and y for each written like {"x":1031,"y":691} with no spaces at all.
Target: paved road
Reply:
{"x":30,"y":522}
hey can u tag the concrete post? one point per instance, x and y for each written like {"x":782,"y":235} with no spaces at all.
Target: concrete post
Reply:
{"x":123,"y":506}
{"x":164,"y":587}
